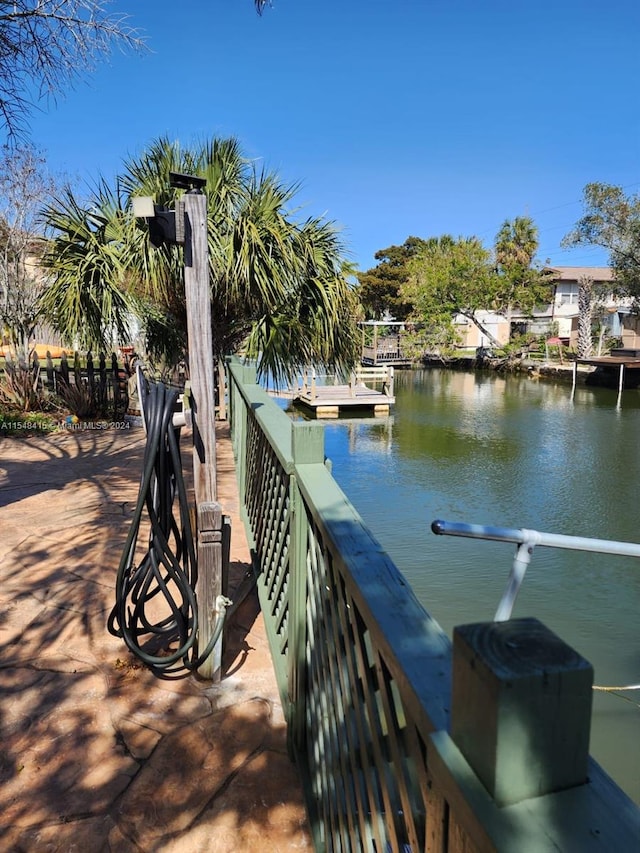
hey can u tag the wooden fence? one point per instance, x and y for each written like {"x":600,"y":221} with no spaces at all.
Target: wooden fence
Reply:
{"x":89,"y":387}
{"x":384,"y":714}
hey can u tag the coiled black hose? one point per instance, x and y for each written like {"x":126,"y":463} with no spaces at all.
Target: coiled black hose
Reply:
{"x":164,"y":580}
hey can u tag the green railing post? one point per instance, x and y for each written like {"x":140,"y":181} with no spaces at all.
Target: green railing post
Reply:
{"x":307,"y":445}
{"x":521,"y":708}
{"x":239,"y":374}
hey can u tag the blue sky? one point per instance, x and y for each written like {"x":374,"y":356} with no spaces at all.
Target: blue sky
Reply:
{"x":398,"y":118}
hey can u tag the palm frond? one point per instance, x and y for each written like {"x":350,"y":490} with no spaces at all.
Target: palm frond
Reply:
{"x":85,"y":299}
{"x":278,"y":284}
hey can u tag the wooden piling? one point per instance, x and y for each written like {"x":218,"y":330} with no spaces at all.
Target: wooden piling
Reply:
{"x":521,"y":708}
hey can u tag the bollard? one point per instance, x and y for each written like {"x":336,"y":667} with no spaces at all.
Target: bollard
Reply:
{"x":521,"y":708}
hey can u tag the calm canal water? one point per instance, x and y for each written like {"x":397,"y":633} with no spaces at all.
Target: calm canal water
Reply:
{"x":513,"y":452}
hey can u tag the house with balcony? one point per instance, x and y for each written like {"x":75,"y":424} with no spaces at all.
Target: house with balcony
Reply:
{"x":561,"y":314}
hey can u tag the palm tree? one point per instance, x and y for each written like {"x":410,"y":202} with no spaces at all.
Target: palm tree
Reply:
{"x":515,"y":248}
{"x":585,"y":316}
{"x":88,"y":301}
{"x":516,"y":243}
{"x":278,"y":285}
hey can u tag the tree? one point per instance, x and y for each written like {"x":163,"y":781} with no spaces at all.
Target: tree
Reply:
{"x":449,"y":277}
{"x":278,"y":286}
{"x":380,"y":286}
{"x":24,"y":188}
{"x":523,"y":285}
{"x":47,"y":45}
{"x":516,"y":243}
{"x":88,"y":299}
{"x":612,"y":221}
{"x":585,"y":316}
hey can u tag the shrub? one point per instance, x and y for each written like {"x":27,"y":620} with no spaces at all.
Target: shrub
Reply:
{"x":80,"y":399}
{"x":21,"y":389}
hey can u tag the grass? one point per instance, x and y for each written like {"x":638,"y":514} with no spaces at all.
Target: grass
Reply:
{"x":16,"y":424}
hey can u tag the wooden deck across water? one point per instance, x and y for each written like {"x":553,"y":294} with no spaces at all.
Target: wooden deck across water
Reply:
{"x":329,"y":401}
{"x":628,"y":362}
{"x":620,"y":361}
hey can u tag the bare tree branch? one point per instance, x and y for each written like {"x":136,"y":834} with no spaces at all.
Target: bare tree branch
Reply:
{"x":46,"y":46}
{"x":25,"y":186}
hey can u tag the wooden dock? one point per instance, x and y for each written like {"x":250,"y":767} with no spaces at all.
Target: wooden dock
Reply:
{"x":383,"y":346}
{"x":616,"y":366}
{"x":331,"y":400}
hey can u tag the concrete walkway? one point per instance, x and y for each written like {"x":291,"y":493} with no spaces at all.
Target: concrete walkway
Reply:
{"x":96,"y":754}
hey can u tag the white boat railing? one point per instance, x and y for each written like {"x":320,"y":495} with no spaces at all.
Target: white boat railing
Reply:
{"x":526,"y":541}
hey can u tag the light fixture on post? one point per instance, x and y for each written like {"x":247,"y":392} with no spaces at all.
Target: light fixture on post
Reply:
{"x":165,"y":225}
{"x":187,"y":225}
{"x":190,"y":183}
{"x":143,"y":206}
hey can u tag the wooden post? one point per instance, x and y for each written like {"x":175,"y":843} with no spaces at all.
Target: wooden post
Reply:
{"x":64,"y":368}
{"x":202,"y":400}
{"x":90,"y":375}
{"x":198,"y":299}
{"x":51,"y":377}
{"x":389,"y":385}
{"x":222,"y":391}
{"x":210,"y":583}
{"x":115,"y":374}
{"x":102,"y":382}
{"x":620,"y":386}
{"x":521,"y":708}
{"x":77,"y":369}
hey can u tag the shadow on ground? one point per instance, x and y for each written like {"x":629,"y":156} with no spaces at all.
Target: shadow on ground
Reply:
{"x":96,"y":753}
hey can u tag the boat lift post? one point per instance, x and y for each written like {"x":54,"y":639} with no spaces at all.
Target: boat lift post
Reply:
{"x":526,"y":541}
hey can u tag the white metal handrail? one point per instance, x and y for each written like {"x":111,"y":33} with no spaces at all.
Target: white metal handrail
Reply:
{"x":526,"y":541}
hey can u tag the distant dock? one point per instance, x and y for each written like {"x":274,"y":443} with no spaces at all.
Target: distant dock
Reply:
{"x":382,"y":344}
{"x":332,"y":400}
{"x":623,"y":362}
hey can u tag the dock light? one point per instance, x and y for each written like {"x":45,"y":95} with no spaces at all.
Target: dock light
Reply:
{"x":143,"y":206}
{"x":164,"y":226}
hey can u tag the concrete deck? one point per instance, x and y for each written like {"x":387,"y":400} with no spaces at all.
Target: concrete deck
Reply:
{"x":96,"y":753}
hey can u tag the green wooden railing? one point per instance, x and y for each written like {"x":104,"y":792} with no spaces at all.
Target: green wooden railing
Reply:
{"x":365,"y":673}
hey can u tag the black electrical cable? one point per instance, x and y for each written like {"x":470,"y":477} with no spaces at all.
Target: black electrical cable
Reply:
{"x":166,"y":576}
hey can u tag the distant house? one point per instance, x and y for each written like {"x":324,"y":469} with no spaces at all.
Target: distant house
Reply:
{"x":561,"y":314}
{"x":471,"y":336}
{"x":564,"y":311}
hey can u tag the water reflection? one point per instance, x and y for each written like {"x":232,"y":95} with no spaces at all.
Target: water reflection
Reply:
{"x":513,"y":452}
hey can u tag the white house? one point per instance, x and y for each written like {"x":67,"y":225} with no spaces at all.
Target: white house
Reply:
{"x":564,"y":311}
{"x":561,"y":313}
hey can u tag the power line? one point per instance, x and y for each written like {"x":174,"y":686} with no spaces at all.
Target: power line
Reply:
{"x":556,"y":248}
